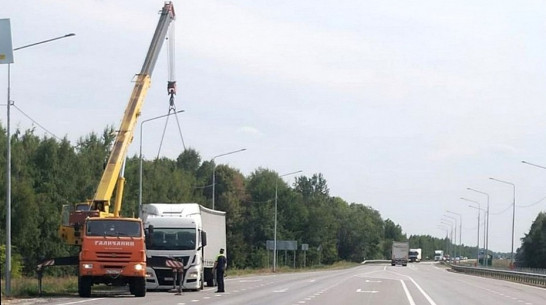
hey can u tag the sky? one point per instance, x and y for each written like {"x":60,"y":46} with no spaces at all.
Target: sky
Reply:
{"x":400,"y":105}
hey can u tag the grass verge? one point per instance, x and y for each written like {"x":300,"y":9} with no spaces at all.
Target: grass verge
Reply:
{"x":25,"y":287}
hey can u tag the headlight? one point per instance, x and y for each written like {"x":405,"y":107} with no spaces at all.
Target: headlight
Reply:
{"x":192,"y":275}
{"x":87,"y":266}
{"x":138,"y":267}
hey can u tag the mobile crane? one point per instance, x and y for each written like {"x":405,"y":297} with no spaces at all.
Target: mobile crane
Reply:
{"x":112,"y":247}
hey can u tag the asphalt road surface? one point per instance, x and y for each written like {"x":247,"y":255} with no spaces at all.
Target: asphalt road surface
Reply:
{"x":417,"y":284}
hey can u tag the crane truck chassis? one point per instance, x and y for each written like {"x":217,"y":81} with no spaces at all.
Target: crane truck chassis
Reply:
{"x":112,"y":248}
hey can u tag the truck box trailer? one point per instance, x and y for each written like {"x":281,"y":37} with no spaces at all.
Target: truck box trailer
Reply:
{"x":400,"y":251}
{"x":188,"y":232}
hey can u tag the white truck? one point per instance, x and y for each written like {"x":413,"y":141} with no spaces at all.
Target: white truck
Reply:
{"x":187,"y":232}
{"x":415,"y":255}
{"x":400,"y":251}
{"x":439,"y":255}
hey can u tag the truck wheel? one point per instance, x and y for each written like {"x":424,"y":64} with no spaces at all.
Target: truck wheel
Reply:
{"x":138,"y":287}
{"x":84,"y":286}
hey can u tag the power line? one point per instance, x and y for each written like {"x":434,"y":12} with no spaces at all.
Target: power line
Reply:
{"x":35,"y":122}
{"x":532,"y":204}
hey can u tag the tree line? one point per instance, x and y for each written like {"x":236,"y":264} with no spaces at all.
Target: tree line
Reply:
{"x":48,"y":173}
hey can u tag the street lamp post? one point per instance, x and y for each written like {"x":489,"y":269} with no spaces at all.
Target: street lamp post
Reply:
{"x":513,"y":216}
{"x":8,"y":166}
{"x":450,"y":223}
{"x":444,"y":228}
{"x":478,"y":243}
{"x":140,"y":157}
{"x":486,"y":231}
{"x":455,"y":220}
{"x":460,"y":230}
{"x":214,"y":170}
{"x":275,"y":225}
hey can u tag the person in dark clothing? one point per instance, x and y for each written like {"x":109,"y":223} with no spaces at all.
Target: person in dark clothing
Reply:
{"x":220,"y":266}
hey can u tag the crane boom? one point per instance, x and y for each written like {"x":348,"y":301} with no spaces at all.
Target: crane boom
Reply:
{"x":111,"y":179}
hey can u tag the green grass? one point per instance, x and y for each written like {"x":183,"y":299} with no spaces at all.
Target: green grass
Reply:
{"x":24,"y":287}
{"x":51,"y":286}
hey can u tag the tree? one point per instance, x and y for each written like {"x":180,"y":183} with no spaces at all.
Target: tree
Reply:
{"x":392,"y":232}
{"x":49,"y":173}
{"x":532,"y":253}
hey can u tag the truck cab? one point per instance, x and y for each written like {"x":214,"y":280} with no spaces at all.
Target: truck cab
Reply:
{"x":179,"y":239}
{"x":187,"y":232}
{"x":113,"y":252}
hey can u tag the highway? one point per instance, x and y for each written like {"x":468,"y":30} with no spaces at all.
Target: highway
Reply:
{"x":417,"y":284}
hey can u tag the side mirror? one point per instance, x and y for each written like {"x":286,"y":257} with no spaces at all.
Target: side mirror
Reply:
{"x":148,"y":232}
{"x":77,"y":228}
{"x":203,"y":238}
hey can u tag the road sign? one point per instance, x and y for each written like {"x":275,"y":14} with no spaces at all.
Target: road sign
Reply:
{"x":6,"y":48}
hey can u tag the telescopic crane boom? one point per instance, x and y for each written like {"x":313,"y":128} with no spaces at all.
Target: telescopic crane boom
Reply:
{"x":112,"y":177}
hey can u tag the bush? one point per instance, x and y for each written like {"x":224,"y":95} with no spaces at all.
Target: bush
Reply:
{"x":16,"y":262}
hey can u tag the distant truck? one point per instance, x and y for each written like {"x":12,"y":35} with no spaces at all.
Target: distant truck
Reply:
{"x":187,"y":232}
{"x":439,"y":255}
{"x":415,"y":255}
{"x":400,"y":251}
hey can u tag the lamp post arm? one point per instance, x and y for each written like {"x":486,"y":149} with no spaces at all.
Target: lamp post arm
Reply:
{"x":44,"y":41}
{"x":532,"y":164}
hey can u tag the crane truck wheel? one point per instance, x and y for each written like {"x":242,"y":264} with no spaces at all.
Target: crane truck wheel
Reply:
{"x":84,"y":286}
{"x":138,"y":287}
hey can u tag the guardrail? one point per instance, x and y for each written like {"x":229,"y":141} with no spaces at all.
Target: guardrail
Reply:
{"x":535,"y":279}
{"x":376,"y":261}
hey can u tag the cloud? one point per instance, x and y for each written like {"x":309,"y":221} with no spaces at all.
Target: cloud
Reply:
{"x":248,"y":130}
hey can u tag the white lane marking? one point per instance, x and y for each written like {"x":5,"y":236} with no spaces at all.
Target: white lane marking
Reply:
{"x":249,"y":281}
{"x":281,"y":290}
{"x":429,"y":299}
{"x":367,"y":291}
{"x":408,"y":294}
{"x":83,"y":301}
{"x":368,"y":281}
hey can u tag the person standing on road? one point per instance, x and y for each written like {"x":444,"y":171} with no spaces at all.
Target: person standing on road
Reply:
{"x":220,"y":267}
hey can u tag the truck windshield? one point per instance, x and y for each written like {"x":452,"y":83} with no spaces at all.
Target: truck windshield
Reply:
{"x":113,"y":228}
{"x":173,"y":239}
